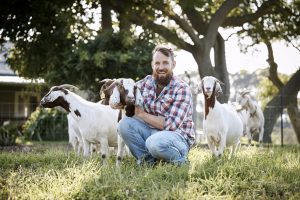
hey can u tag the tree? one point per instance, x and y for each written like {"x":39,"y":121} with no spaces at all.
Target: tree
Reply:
{"x":182,"y":24}
{"x":285,"y":98}
{"x":54,"y":40}
{"x":193,"y":26}
{"x":282,"y":24}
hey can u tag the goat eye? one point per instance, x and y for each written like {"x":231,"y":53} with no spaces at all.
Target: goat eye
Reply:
{"x":126,"y":91}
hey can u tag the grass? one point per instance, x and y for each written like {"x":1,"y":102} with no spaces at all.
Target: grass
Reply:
{"x":49,"y":172}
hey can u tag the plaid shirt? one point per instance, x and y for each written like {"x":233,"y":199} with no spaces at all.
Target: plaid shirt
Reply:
{"x":174,"y":103}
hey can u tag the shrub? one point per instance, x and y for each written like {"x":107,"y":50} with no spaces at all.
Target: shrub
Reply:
{"x":8,"y":133}
{"x":46,"y":124}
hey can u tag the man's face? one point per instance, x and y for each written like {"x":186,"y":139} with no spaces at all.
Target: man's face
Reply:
{"x":162,"y":67}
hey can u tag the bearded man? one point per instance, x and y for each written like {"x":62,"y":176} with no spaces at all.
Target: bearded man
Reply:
{"x":162,"y":129}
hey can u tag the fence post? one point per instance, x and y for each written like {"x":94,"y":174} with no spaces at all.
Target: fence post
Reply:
{"x":281,"y":118}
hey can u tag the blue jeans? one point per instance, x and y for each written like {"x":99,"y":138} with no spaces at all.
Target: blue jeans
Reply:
{"x":149,"y":145}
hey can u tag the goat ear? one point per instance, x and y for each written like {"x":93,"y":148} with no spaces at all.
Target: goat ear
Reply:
{"x":138,"y":96}
{"x":199,"y":87}
{"x":115,"y":97}
{"x":102,"y":95}
{"x":218,"y":89}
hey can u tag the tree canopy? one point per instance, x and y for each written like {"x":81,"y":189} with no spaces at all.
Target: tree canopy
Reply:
{"x":54,"y":40}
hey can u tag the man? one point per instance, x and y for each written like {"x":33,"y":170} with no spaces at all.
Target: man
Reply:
{"x":163,"y":128}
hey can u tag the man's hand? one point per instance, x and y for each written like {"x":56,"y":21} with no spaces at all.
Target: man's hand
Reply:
{"x":139,"y":111}
{"x":116,"y":106}
{"x":155,"y":121}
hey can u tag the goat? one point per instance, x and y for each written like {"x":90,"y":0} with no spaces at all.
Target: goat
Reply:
{"x":126,"y":95}
{"x":105,"y":92}
{"x":221,"y":123}
{"x":97,"y":123}
{"x":75,"y":138}
{"x":122,"y":94}
{"x":256,"y":120}
{"x":106,"y":89}
{"x":74,"y":134}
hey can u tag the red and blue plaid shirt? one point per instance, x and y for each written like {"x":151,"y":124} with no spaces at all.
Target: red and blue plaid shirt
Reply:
{"x":174,"y":103}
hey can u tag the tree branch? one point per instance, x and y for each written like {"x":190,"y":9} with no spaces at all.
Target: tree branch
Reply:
{"x":182,"y":23}
{"x":218,"y":19}
{"x":273,"y":75}
{"x":170,"y":36}
{"x":194,"y":17}
{"x":185,"y":26}
{"x":240,"y":20}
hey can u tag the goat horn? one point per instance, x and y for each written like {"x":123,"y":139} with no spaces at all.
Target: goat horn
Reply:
{"x":68,"y":86}
{"x":105,"y":80}
{"x":244,"y":92}
{"x":220,"y":82}
{"x":111,"y":86}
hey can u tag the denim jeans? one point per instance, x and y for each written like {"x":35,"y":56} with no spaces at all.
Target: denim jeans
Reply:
{"x":149,"y":145}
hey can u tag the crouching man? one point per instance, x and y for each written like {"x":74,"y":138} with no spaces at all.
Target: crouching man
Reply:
{"x":162,"y":129}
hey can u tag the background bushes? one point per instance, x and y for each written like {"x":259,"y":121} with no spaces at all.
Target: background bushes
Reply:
{"x":46,"y":125}
{"x":8,"y":133}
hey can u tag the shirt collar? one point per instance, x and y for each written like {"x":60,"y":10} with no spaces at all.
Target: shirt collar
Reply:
{"x":170,"y":85}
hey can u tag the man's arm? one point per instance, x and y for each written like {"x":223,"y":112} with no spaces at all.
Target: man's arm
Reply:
{"x":155,"y":121}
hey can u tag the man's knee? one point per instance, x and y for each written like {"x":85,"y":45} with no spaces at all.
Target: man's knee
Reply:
{"x":154,"y":143}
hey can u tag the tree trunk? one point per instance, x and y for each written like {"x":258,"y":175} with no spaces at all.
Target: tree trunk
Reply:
{"x":205,"y":68}
{"x":221,"y":68}
{"x":273,"y":108}
{"x":292,"y":107}
{"x":106,"y":21}
{"x":294,"y":116}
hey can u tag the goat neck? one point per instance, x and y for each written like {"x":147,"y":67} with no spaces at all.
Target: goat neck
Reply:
{"x":252,"y":108}
{"x":209,"y":101}
{"x":76,"y":104}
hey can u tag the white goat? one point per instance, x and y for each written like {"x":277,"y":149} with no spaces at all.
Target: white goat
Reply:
{"x":97,"y":123}
{"x":74,"y":135}
{"x":256,"y":120}
{"x":221,"y":123}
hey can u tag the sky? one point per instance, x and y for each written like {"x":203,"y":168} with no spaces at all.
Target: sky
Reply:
{"x":287,"y":58}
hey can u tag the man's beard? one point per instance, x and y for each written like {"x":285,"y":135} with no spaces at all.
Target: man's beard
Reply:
{"x":163,"y":80}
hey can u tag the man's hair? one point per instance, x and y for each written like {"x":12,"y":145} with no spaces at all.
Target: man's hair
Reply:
{"x":167,"y":51}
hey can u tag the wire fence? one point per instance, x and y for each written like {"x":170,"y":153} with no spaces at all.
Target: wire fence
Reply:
{"x":43,"y":126}
{"x":283,"y":132}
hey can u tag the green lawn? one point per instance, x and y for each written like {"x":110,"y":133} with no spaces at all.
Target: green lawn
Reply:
{"x":54,"y":172}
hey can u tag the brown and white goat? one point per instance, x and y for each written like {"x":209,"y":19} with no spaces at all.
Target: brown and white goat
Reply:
{"x":105,"y":90}
{"x":123,"y":94}
{"x":221,"y":123}
{"x":97,"y":122}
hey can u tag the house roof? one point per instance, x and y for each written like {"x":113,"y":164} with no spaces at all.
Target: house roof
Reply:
{"x":5,"y":69}
{"x":9,"y":77}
